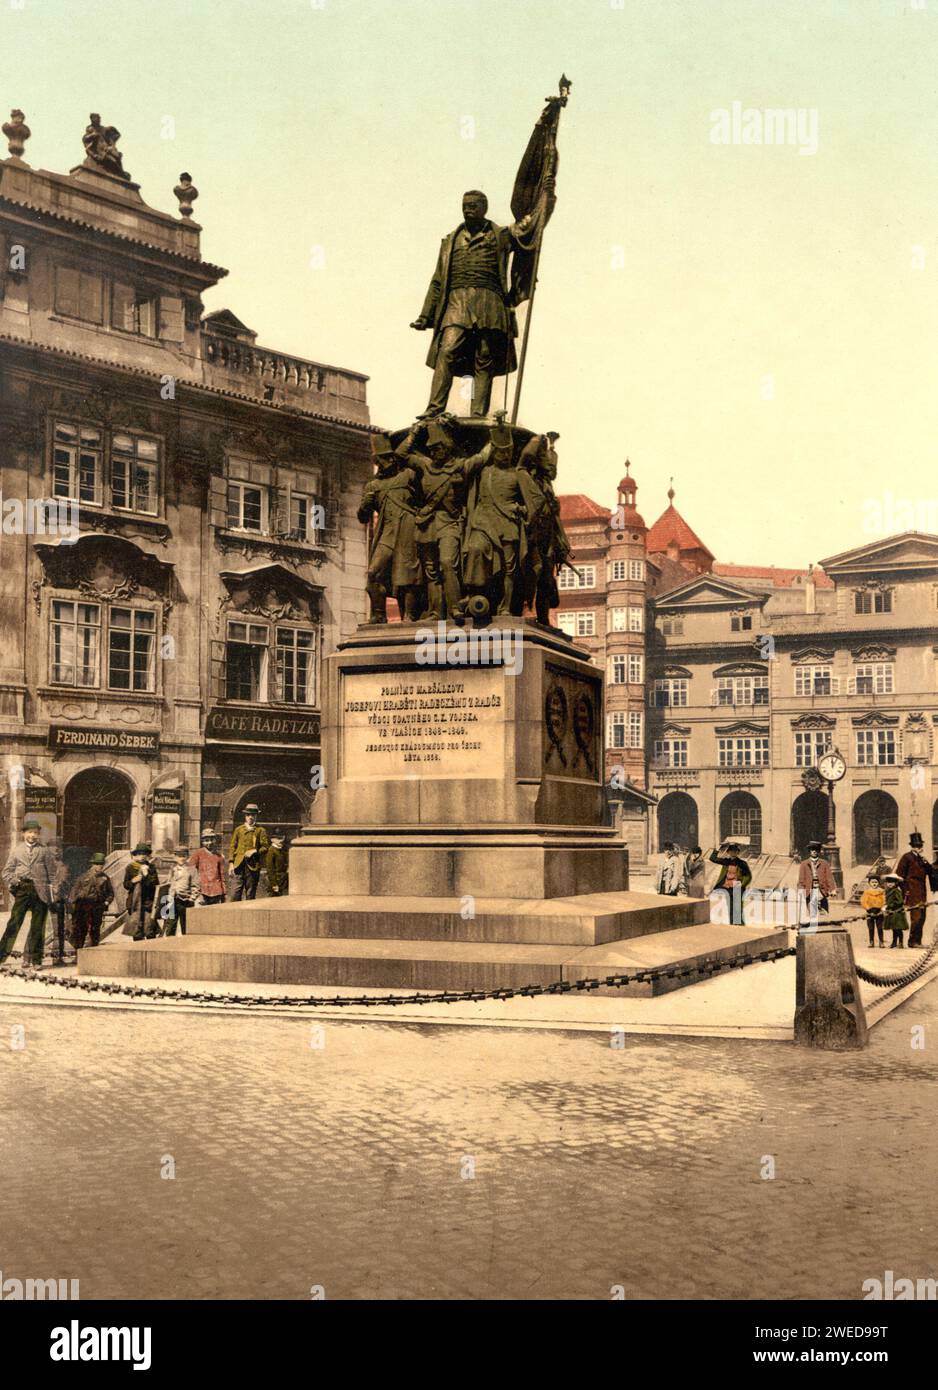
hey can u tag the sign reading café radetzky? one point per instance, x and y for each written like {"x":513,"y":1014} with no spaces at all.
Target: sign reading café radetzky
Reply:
{"x":257,"y":726}
{"x":427,"y":724}
{"x":65,"y":737}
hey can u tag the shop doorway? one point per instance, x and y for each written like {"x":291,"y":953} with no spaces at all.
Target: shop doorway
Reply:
{"x":741,"y":814}
{"x":96,"y":813}
{"x":280,"y":809}
{"x":808,"y":821}
{"x":875,"y":827}
{"x":677,"y":821}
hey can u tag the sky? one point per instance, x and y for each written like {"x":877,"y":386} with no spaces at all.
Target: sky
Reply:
{"x":757,"y":320}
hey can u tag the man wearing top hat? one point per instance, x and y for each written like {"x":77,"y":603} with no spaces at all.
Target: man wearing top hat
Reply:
{"x":392,"y":497}
{"x":917,"y":875}
{"x":249,"y":845}
{"x":30,"y":875}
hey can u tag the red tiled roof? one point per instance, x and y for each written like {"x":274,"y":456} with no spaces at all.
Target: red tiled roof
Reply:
{"x":777,"y":577}
{"x":576,"y":506}
{"x":672,"y":529}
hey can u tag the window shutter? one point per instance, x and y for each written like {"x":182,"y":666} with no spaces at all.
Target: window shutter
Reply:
{"x":217,"y":669}
{"x":218,"y":502}
{"x":171,"y":319}
{"x":67,"y":291}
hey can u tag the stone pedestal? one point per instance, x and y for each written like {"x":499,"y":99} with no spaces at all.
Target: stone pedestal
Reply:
{"x":482,"y":778}
{"x":828,"y":1010}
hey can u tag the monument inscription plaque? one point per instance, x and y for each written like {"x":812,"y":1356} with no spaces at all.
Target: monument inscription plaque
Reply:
{"x":426,"y":724}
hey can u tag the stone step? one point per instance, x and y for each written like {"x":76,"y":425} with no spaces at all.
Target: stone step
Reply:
{"x":586,"y":920}
{"x":416,"y":965}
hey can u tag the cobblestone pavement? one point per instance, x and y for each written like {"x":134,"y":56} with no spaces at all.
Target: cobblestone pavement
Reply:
{"x":347,"y":1165}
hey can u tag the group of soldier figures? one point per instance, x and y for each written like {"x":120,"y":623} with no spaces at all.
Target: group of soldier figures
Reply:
{"x":459,"y":534}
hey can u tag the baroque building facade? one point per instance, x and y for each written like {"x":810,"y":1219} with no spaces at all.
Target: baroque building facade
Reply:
{"x":753,"y":672}
{"x":179,"y":542}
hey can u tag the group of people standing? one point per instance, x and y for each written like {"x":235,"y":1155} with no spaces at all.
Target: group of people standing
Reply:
{"x":156,"y":903}
{"x":892,"y":901}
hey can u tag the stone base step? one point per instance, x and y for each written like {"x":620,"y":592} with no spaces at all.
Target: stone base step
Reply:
{"x":418,"y":965}
{"x":584,"y":920}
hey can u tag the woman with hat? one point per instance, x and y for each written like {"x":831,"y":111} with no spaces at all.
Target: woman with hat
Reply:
{"x":895,"y":912}
{"x":210,"y":866}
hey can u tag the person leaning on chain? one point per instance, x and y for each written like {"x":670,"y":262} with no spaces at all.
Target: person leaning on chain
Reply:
{"x":249,"y":844}
{"x":30,"y":875}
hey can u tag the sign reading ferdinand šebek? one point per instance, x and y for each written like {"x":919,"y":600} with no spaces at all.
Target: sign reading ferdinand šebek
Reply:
{"x":144,"y":742}
{"x":256,"y":727}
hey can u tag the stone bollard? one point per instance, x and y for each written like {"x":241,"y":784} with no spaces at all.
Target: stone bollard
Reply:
{"x":828,"y":1009}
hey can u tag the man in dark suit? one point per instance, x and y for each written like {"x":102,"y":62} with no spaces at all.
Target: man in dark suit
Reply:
{"x":916,"y":874}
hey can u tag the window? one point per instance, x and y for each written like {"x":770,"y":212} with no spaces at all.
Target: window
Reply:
{"x":813,"y":680}
{"x":296,"y":666}
{"x":742,"y":690}
{"x":672,"y":627}
{"x":668,"y":691}
{"x":873,"y":678}
{"x":134,"y":464}
{"x":583,"y":577}
{"x":134,"y":310}
{"x":617,"y":571}
{"x":304,"y":516}
{"x":131,"y":649}
{"x":741,"y":622}
{"x":635,"y":620}
{"x":76,"y":631}
{"x":873,"y":601}
{"x":618,"y":670}
{"x":247,"y":507}
{"x":246,"y":661}
{"x":748,"y":751}
{"x":76,"y":462}
{"x":79,"y":294}
{"x":810,"y":745}
{"x":637,"y":569}
{"x":624,"y":729}
{"x":618,"y":619}
{"x":876,"y":747}
{"x":577,"y":624}
{"x":670,"y":752}
{"x":636,"y":670}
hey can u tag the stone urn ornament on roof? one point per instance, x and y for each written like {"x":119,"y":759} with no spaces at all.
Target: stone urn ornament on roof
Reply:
{"x":187,"y":193}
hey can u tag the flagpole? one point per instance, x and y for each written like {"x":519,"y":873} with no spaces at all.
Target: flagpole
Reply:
{"x":561,"y":101}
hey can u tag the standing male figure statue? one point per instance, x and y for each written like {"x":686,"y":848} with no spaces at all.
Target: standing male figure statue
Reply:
{"x":495,"y":543}
{"x":392,"y":497}
{"x":439,"y":520}
{"x":470,"y":305}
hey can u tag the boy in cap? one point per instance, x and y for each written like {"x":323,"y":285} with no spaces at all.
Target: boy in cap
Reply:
{"x":873,"y":902}
{"x":90,"y":898}
{"x":29,"y":874}
{"x":249,"y":844}
{"x":277,"y":866}
{"x":895,"y":912}
{"x":181,"y":892}
{"x":915,"y":872}
{"x":59,"y":902}
{"x":210,"y":867}
{"x":140,"y":884}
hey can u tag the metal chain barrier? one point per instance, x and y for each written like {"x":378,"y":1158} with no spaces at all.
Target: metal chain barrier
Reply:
{"x":468,"y":996}
{"x":903,"y":977}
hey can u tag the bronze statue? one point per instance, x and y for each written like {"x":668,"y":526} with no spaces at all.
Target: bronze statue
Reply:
{"x":470,"y":306}
{"x":439,"y":521}
{"x":100,"y":144}
{"x":393,"y":568}
{"x":548,"y":547}
{"x":495,"y":544}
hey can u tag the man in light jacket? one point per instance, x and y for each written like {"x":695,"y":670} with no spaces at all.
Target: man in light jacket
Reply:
{"x":30,"y":875}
